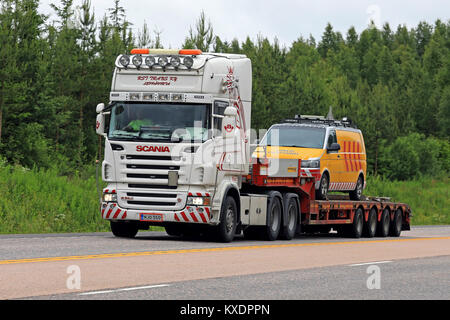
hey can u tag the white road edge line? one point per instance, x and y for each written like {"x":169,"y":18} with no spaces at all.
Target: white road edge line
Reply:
{"x":123,"y":289}
{"x":367,"y":263}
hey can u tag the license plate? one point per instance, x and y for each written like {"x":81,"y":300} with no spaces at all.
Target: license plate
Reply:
{"x":151,"y":217}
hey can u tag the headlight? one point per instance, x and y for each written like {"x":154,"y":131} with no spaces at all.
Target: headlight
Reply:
{"x":109,"y":197}
{"x":310,"y":163}
{"x":199,"y":201}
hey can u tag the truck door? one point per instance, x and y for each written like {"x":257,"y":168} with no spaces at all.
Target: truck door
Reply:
{"x":332,"y":161}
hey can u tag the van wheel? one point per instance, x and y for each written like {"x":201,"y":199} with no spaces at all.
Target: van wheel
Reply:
{"x":322,"y":193}
{"x":357,"y":193}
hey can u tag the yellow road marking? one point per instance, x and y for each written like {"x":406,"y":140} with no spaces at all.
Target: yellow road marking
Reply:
{"x":150,"y":253}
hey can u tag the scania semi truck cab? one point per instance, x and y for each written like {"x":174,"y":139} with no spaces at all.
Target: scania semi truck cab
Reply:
{"x":176,"y":141}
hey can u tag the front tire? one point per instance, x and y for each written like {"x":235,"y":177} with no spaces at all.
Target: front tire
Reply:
{"x":228,"y":220}
{"x":123,"y":229}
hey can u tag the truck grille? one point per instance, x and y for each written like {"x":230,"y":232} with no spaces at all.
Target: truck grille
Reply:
{"x":147,"y":179}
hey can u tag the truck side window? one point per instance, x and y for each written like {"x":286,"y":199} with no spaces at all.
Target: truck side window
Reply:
{"x":218,"y":111}
{"x":332,"y":138}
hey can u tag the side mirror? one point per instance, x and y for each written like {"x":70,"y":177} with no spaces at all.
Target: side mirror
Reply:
{"x":229,"y":122}
{"x":100,"y":124}
{"x":100,"y":107}
{"x":334,"y":147}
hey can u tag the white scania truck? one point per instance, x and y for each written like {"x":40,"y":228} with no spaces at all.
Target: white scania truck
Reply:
{"x":177,"y":155}
{"x":177,"y":143}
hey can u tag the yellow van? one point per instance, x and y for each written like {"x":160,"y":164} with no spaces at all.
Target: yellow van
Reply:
{"x":332,"y":151}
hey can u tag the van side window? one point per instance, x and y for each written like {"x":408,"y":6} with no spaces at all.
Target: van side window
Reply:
{"x":332,"y":138}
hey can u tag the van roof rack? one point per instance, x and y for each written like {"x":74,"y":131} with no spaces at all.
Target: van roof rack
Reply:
{"x":345,"y":122}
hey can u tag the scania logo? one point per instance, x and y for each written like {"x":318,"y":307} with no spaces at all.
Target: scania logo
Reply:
{"x":152,"y":149}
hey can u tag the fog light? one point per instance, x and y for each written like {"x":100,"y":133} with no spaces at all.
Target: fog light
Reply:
{"x":109,"y":197}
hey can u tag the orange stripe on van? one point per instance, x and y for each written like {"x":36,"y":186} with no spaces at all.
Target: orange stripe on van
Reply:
{"x":345,"y":155}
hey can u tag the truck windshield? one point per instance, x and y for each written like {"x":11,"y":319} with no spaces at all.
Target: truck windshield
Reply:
{"x":295,"y":136}
{"x":159,"y":122}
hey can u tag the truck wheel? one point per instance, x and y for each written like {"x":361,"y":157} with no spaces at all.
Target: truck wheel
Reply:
{"x":124,"y":229}
{"x":274,"y":214}
{"x":356,"y":228}
{"x":396,"y":225}
{"x":357,"y":193}
{"x":174,"y":230}
{"x":322,"y":193}
{"x":288,"y":231}
{"x":384,"y":224}
{"x":228,"y":220}
{"x":370,"y":227}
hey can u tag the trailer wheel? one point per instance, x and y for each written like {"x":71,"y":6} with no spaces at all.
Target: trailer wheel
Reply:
{"x":288,"y":231}
{"x":356,"y":228}
{"x":396,"y":225}
{"x":370,"y":227}
{"x":274,"y":214}
{"x":123,"y":229}
{"x":384,"y":224}
{"x":228,"y":220}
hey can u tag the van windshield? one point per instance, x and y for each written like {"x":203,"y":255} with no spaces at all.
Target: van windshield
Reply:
{"x":294,"y":136}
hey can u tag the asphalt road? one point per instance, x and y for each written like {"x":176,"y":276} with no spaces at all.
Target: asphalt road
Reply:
{"x":156,"y":266}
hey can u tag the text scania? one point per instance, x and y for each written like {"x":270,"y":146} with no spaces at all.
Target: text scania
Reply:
{"x":152,"y":149}
{"x":247,"y":309}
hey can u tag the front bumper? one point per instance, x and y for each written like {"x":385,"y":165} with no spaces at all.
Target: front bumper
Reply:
{"x":190,"y":214}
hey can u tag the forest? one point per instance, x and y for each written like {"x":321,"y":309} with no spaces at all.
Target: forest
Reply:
{"x":393,"y":82}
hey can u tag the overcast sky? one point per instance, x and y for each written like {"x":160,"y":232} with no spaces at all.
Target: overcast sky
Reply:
{"x":286,"y":20}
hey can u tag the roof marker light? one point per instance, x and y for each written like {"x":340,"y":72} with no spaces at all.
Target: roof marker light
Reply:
{"x":190,"y":52}
{"x":140,"y":51}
